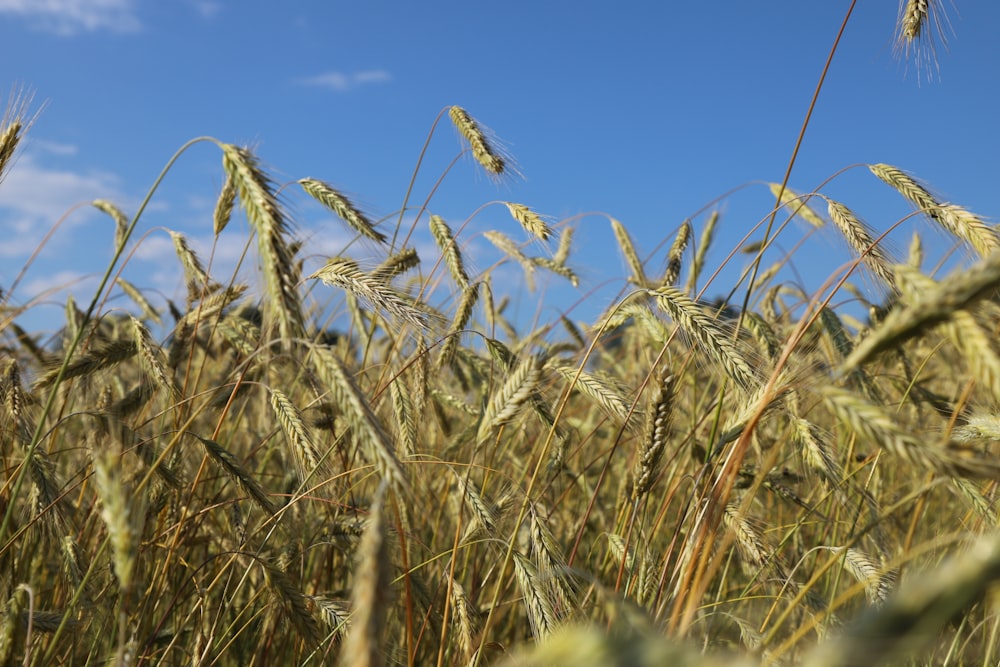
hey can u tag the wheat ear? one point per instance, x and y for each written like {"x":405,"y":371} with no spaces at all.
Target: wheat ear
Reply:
{"x":370,"y":593}
{"x":282,"y":308}
{"x":482,"y":148}
{"x":955,"y":219}
{"x":342,"y":206}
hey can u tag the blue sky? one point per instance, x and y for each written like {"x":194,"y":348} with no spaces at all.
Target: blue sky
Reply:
{"x":643,"y":111}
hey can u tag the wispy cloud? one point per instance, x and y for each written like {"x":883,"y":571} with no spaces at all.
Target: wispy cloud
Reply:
{"x":342,"y":82}
{"x":207,"y":9}
{"x":69,"y":17}
{"x":44,"y":195}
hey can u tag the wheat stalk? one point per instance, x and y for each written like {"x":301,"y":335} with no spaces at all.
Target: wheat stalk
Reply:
{"x":370,"y":594}
{"x":449,"y":249}
{"x":676,"y":255}
{"x":360,"y":416}
{"x":956,"y":220}
{"x":282,"y":307}
{"x":707,"y":333}
{"x":482,"y":148}
{"x":345,"y":274}
{"x":657,"y":432}
{"x":859,"y":237}
{"x":121,"y":222}
{"x":531,"y":221}
{"x":798,"y":204}
{"x":342,"y":206}
{"x":958,"y":291}
{"x":628,"y":251}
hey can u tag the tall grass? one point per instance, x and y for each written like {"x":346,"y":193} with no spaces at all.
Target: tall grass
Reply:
{"x":676,"y":482}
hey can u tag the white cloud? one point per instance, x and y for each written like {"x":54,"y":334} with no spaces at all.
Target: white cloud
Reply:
{"x":341,"y":82}
{"x":59,"y":283}
{"x":69,"y":17}
{"x":207,"y":9}
{"x":34,"y":191}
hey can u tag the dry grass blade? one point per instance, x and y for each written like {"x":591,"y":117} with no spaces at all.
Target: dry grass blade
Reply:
{"x":628,"y":251}
{"x":482,"y":148}
{"x":797,"y":204}
{"x":360,"y":416}
{"x":958,"y":291}
{"x":449,"y":249}
{"x":531,"y":221}
{"x":859,"y":237}
{"x":371,"y":592}
{"x":282,"y":307}
{"x":225,"y":460}
{"x":707,"y":333}
{"x":345,"y":274}
{"x":121,"y":222}
{"x":342,"y":206}
{"x":956,"y":220}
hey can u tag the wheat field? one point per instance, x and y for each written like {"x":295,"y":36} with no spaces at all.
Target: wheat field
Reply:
{"x":772,"y":480}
